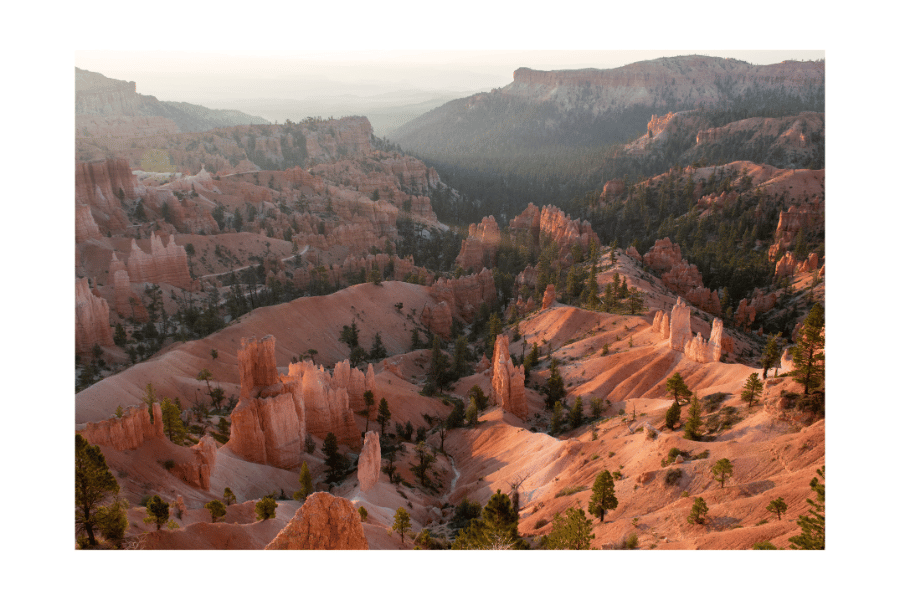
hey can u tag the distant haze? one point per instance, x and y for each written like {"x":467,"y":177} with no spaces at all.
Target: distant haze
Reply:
{"x":389,"y":86}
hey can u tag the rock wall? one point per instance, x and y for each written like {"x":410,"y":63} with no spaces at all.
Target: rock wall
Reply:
{"x":663,"y":255}
{"x":127,"y":432}
{"x":466,"y":294}
{"x":85,"y":225}
{"x":355,"y":382}
{"x":91,"y":319}
{"x":759,"y":303}
{"x":269,"y":430}
{"x":661,"y":324}
{"x":324,"y":522}
{"x":703,"y":351}
{"x":197,"y":472}
{"x":551,"y":224}
{"x":789,"y":265}
{"x":97,"y":185}
{"x":166,"y":263}
{"x":438,"y":319}
{"x":369,"y":462}
{"x":508,"y":381}
{"x":479,"y":250}
{"x":327,"y":403}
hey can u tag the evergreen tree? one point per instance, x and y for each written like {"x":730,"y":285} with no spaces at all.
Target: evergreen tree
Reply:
{"x":556,"y":388}
{"x":596,"y":408}
{"x":673,"y":415}
{"x":809,"y":359}
{"x":771,"y":354}
{"x":229,"y":497}
{"x":722,"y":470}
{"x":531,"y":360}
{"x":480,"y":398}
{"x":694,"y":423}
{"x":460,"y":354}
{"x":437,"y":373}
{"x":812,"y":527}
{"x":378,"y":350}
{"x":571,"y":531}
{"x":426,"y":459}
{"x":677,"y":388}
{"x":401,"y":523}
{"x":603,"y":497}
{"x":112,"y":520}
{"x":698,"y":511}
{"x":369,"y":399}
{"x":752,"y":388}
{"x":350,"y":335}
{"x":93,"y":484}
{"x":216,"y":509}
{"x":777,"y":506}
{"x":157,"y":512}
{"x":265,"y":508}
{"x":173,"y":426}
{"x":593,"y":290}
{"x":334,"y":460}
{"x":576,"y":416}
{"x":384,"y":415}
{"x":498,"y":527}
{"x":457,"y":416}
{"x":472,"y":413}
{"x":557,"y":420}
{"x":495,"y":328}
{"x":306,"y":483}
{"x":636,"y":301}
{"x":416,"y":341}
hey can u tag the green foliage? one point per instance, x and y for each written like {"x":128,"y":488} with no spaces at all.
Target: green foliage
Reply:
{"x":694,"y":424}
{"x":378,"y":351}
{"x":676,"y":386}
{"x":556,"y":422}
{"x":363,"y":513}
{"x":457,"y":416}
{"x":698,"y":511}
{"x":112,"y":520}
{"x":556,"y":389}
{"x":216,"y":509}
{"x":673,"y":415}
{"x":812,"y":526}
{"x":93,"y":484}
{"x":334,"y":460}
{"x":173,"y":426}
{"x":472,"y":413}
{"x":480,"y":398}
{"x":722,"y":470}
{"x":350,"y":335}
{"x":306,"y":483}
{"x":265,"y":508}
{"x":496,"y":529}
{"x":771,"y":353}
{"x":384,"y":415}
{"x":576,"y":415}
{"x":426,"y":459}
{"x":157,"y":512}
{"x":603,"y":497}
{"x":438,"y":372}
{"x":764,"y":545}
{"x":401,"y":523}
{"x":673,"y":476}
{"x":596,"y":408}
{"x":229,"y":497}
{"x":777,"y":506}
{"x":809,"y":357}
{"x":120,"y":337}
{"x":631,"y":542}
{"x":571,"y":531}
{"x":752,"y":389}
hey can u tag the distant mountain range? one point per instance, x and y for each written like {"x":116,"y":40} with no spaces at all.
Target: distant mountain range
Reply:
{"x":99,"y":96}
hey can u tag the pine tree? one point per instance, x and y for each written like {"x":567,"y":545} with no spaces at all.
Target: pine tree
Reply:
{"x":173,"y":426}
{"x":472,"y":413}
{"x":425,"y":459}
{"x":556,"y":389}
{"x":265,"y":508}
{"x":378,"y":350}
{"x":369,"y":399}
{"x":809,"y":359}
{"x":576,"y":416}
{"x":401,"y":523}
{"x":593,"y":290}
{"x":437,"y":373}
{"x":460,"y":354}
{"x":771,"y":353}
{"x":698,"y":511}
{"x":229,"y":497}
{"x":334,"y":460}
{"x":777,"y":506}
{"x":93,"y":484}
{"x":812,"y":527}
{"x":722,"y":470}
{"x":752,"y":388}
{"x":557,"y":420}
{"x":157,"y":512}
{"x":216,"y":509}
{"x":531,"y":360}
{"x":112,"y":520}
{"x":676,"y":386}
{"x":306,"y":483}
{"x":603,"y":497}
{"x":692,"y":426}
{"x":481,"y":399}
{"x":384,"y":415}
{"x":673,"y":415}
{"x":571,"y":531}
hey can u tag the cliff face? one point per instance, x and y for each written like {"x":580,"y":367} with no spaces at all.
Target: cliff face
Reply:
{"x":551,"y":224}
{"x":127,"y":432}
{"x":99,"y":185}
{"x":479,"y":250}
{"x":91,"y":319}
{"x":508,"y":381}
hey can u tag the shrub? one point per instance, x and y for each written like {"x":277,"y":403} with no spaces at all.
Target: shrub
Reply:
{"x":704,"y":454}
{"x":570,"y":490}
{"x":631,"y":542}
{"x":265,"y":508}
{"x":764,"y":545}
{"x":673,"y":476}
{"x":540,"y":523}
{"x":363,"y":513}
{"x":169,"y":464}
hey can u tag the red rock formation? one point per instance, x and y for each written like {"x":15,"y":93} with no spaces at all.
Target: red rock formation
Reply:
{"x":97,"y":185}
{"x":614,"y":188}
{"x":508,"y":381}
{"x":703,"y":351}
{"x":466,"y":294}
{"x":479,"y":250}
{"x":324,"y":522}
{"x":91,"y":319}
{"x":85,"y":225}
{"x":349,"y":136}
{"x":682,"y":278}
{"x":438,"y":319}
{"x":327,"y":403}
{"x":789,"y":265}
{"x":355,"y":382}
{"x":164,"y":264}
{"x":704,"y":299}
{"x":256,"y":361}
{"x":809,"y":216}
{"x":551,"y":224}
{"x":127,"y":432}
{"x":663,"y":255}
{"x":661,"y":324}
{"x":633,"y":253}
{"x":787,"y":361}
{"x":549,"y":296}
{"x":269,"y":430}
{"x":759,"y":303}
{"x":369,"y":462}
{"x":680,"y":326}
{"x":198,"y":471}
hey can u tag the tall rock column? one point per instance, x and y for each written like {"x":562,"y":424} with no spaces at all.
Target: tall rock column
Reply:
{"x":369,"y":462}
{"x":91,"y":319}
{"x":680,"y":326}
{"x":508,"y":381}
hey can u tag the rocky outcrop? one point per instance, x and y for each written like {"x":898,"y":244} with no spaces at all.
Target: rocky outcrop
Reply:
{"x":256,"y":362}
{"x":327,"y":403}
{"x":349,"y":136}
{"x":324,"y":522}
{"x":809,"y":216}
{"x":100,"y":185}
{"x":269,"y":430}
{"x":438,"y":319}
{"x":369,"y":462}
{"x":85,"y":225}
{"x":479,"y":250}
{"x":759,"y":303}
{"x":551,"y":224}
{"x":91,"y":319}
{"x":355,"y":382}
{"x":663,"y":255}
{"x":197,"y":471}
{"x":508,"y":381}
{"x":703,"y":351}
{"x":549,"y":296}
{"x":166,"y":263}
{"x":633,"y":253}
{"x":704,"y":299}
{"x":682,"y":278}
{"x":789,"y":265}
{"x":465,"y":294}
{"x":127,"y":432}
{"x":614,"y":188}
{"x":661,"y":324}
{"x":680,"y":326}
{"x":787,"y":361}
